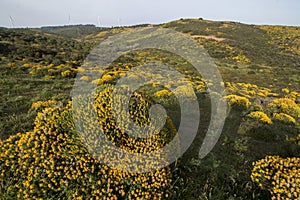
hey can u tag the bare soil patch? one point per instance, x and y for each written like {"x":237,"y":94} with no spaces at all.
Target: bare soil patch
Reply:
{"x":209,"y":37}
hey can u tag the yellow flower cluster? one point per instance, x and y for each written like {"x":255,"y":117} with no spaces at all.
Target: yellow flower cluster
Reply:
{"x":51,"y":161}
{"x":238,"y":100}
{"x":241,"y":58}
{"x":66,"y":73}
{"x":284,"y":109}
{"x":12,"y":65}
{"x":48,"y":77}
{"x":281,"y":176}
{"x":248,"y":90}
{"x":117,"y":131}
{"x":85,"y":78}
{"x":287,"y":38}
{"x":295,"y":96}
{"x":184,"y":91}
{"x":163,"y":94}
{"x":28,"y":65}
{"x":105,"y":79}
{"x":284,"y":118}
{"x":285,"y":90}
{"x":51,"y":71}
{"x":39,"y":105}
{"x":286,"y":106}
{"x":190,"y":76}
{"x":116,"y":127}
{"x":260,"y":116}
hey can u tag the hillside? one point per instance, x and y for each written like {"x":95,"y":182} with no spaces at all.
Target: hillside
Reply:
{"x":42,"y":154}
{"x":72,"y":31}
{"x":264,"y":55}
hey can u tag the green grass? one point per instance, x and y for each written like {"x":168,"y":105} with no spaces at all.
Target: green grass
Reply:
{"x":18,"y":91}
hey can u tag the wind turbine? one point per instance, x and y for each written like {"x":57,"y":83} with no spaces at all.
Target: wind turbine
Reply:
{"x":119,"y":21}
{"x":99,"y":24}
{"x":12,"y":21}
{"x":69,"y":19}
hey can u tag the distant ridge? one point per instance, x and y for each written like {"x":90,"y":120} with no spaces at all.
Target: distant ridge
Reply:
{"x":242,"y":51}
{"x":73,"y":31}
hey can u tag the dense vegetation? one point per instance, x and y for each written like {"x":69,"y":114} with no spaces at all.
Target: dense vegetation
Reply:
{"x":72,"y":31}
{"x":256,"y":157}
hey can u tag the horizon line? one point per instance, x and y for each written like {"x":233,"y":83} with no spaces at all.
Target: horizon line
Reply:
{"x":144,"y":23}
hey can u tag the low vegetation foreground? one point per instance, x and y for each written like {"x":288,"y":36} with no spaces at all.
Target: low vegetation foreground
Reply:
{"x":43,"y":154}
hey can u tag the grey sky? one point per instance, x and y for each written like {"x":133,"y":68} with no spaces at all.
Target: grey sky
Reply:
{"x":35,"y":13}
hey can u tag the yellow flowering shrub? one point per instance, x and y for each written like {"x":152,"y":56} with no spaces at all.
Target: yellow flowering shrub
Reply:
{"x":285,"y":105}
{"x":240,"y":58}
{"x":50,"y":71}
{"x":105,"y":78}
{"x":11,"y":64}
{"x":85,"y":78}
{"x":260,"y":116}
{"x":47,"y":77}
{"x":295,"y":96}
{"x":184,"y":91}
{"x":28,"y":65}
{"x":248,"y":90}
{"x":52,"y":162}
{"x":281,"y":176}
{"x":66,"y":73}
{"x":39,"y":105}
{"x":285,"y":90}
{"x":163,"y":94}
{"x":139,"y":109}
{"x":33,"y":72}
{"x":238,"y":100}
{"x":284,"y":118}
{"x":287,"y":38}
{"x":200,"y":85}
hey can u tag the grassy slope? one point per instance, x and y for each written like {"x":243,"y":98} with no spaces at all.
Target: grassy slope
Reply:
{"x":19,"y":89}
{"x":271,"y":65}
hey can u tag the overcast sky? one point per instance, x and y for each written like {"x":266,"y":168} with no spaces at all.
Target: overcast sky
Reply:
{"x":35,"y":13}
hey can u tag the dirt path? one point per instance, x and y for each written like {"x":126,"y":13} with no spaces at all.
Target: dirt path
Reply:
{"x":209,"y":37}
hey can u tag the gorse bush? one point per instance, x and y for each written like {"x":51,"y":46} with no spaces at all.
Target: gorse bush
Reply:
{"x":285,"y":118}
{"x":235,"y":100}
{"x":52,"y":162}
{"x":278,"y":175}
{"x":286,"y":106}
{"x":103,"y":80}
{"x":260,"y":116}
{"x":116,"y":127}
{"x":163,"y":94}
